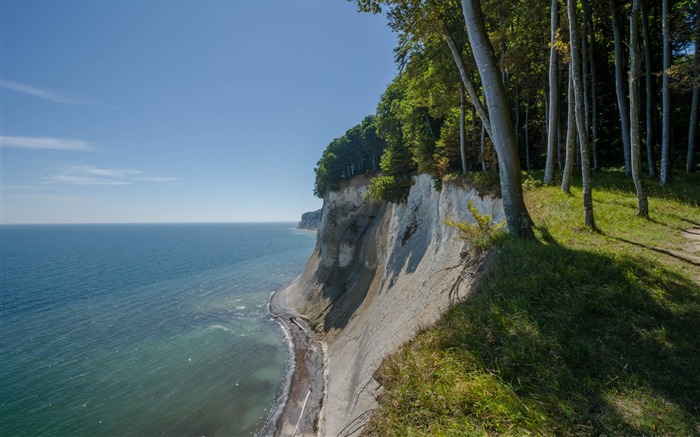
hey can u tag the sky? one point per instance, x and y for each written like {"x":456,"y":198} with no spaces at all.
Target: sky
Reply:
{"x":138,"y":111}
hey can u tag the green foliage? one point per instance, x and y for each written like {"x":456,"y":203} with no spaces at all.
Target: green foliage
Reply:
{"x":576,"y":333}
{"x":354,"y":153}
{"x":481,"y":234}
{"x":530,"y":182}
{"x":389,"y":188}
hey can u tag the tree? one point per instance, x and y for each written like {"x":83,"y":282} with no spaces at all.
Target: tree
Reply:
{"x":517,"y":217}
{"x":462,"y":132}
{"x":570,"y":136}
{"x":642,"y":204}
{"x":356,"y":152}
{"x":648,"y":85}
{"x":594,"y":86}
{"x":620,"y":87}
{"x":693,"y":127}
{"x":665,"y":98}
{"x":588,"y":219}
{"x":553,"y":127}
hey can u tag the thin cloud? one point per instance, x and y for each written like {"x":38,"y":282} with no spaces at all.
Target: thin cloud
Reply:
{"x":46,"y":143}
{"x":92,"y":175}
{"x":156,"y":179}
{"x":50,"y":95}
{"x":104,"y":172}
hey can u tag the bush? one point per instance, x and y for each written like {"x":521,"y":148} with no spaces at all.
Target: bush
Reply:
{"x":480,"y":235}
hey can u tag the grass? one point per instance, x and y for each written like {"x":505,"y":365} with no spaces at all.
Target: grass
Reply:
{"x":575,"y":333}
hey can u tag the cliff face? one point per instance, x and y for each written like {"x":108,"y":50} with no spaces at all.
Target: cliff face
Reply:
{"x":380,"y":272}
{"x":310,"y":220}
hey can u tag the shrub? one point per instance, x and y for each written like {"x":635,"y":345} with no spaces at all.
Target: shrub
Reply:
{"x":480,"y":235}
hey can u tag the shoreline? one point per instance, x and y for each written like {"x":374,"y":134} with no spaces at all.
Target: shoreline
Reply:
{"x":304,"y":389}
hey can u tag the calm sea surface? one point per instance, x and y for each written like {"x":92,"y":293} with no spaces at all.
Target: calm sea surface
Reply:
{"x":142,"y":330}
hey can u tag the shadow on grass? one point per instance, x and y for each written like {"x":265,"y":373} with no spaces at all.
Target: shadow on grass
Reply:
{"x":589,"y":344}
{"x":657,"y":250}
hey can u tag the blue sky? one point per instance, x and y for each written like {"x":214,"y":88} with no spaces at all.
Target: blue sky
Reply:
{"x":179,"y":111}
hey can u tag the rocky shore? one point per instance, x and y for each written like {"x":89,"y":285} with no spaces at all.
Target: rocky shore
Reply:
{"x":301,"y":412}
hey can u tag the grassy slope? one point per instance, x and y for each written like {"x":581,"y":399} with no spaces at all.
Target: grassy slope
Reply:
{"x":573,"y":334}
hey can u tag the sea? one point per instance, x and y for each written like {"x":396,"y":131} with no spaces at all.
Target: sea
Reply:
{"x":143,"y":330}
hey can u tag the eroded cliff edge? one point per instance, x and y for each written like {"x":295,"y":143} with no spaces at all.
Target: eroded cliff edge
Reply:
{"x":380,"y":272}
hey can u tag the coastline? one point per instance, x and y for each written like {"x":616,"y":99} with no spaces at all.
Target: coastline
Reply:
{"x":304,"y":389}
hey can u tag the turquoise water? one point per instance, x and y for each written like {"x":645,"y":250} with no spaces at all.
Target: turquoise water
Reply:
{"x":143,"y":330}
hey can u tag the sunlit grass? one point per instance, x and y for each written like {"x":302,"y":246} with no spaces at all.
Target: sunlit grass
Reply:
{"x":576,"y":333}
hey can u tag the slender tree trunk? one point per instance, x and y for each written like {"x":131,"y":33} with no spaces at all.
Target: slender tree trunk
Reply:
{"x":483,"y":148}
{"x":693,"y":128}
{"x":584,"y":69}
{"x":588,"y":219}
{"x":570,"y":136}
{"x":466,"y":81}
{"x":462,"y":131}
{"x":503,"y":52}
{"x":545,"y":90}
{"x":620,"y":87}
{"x":594,"y":87}
{"x":527,"y":135}
{"x":553,"y":125}
{"x":517,"y":120}
{"x":560,"y":163}
{"x":517,"y":216}
{"x":648,"y":84}
{"x":665,"y":99}
{"x":642,"y":204}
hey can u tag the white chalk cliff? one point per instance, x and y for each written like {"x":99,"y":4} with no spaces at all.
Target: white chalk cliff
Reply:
{"x":379,"y":273}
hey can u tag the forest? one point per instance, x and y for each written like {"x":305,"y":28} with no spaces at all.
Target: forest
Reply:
{"x":502,"y":86}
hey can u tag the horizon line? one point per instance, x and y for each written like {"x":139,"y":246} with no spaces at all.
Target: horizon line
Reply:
{"x":247,"y":222}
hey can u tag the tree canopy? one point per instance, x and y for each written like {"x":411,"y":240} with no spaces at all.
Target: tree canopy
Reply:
{"x":417,"y":124}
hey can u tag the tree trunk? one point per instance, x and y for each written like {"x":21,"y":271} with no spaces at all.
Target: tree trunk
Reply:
{"x":588,"y":219}
{"x":665,"y":99}
{"x":553,"y":125}
{"x":517,"y":216}
{"x":594,"y":92}
{"x":466,"y":81}
{"x":462,"y":131}
{"x":642,"y":204}
{"x":517,"y":120}
{"x":693,"y":128}
{"x":648,"y":83}
{"x":560,"y":163}
{"x":584,"y":70}
{"x":483,"y":148}
{"x":527,"y":135}
{"x":620,"y":87}
{"x":570,"y":137}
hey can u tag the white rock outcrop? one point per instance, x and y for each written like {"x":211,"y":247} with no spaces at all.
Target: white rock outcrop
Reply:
{"x":378,"y":274}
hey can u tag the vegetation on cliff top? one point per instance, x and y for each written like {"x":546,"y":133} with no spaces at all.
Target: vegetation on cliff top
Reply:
{"x":574,"y":333}
{"x":480,"y":77}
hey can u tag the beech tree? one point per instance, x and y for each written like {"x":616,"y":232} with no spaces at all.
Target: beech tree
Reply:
{"x":693,"y":126}
{"x":517,"y":217}
{"x":635,"y":154}
{"x":593,"y":83}
{"x":570,"y":136}
{"x":648,"y":85}
{"x":665,"y":98}
{"x":588,"y":219}
{"x":620,"y":87}
{"x":553,"y":125}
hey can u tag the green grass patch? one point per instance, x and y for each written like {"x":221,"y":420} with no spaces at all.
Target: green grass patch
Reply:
{"x":575,"y":333}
